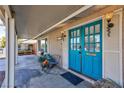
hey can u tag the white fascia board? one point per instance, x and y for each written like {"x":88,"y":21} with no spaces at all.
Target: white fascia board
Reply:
{"x":65,"y":19}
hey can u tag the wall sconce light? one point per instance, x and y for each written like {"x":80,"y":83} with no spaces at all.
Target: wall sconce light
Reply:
{"x":109,"y":23}
{"x":62,"y":36}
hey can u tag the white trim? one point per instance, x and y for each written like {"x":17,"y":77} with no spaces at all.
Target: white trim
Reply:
{"x":121,"y":53}
{"x":103,"y":53}
{"x":12,"y":52}
{"x":44,"y":37}
{"x":47,"y":42}
{"x":84,"y":8}
{"x":6,"y":80}
{"x":81,"y":24}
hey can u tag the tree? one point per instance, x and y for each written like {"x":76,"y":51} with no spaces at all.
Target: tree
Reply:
{"x":3,"y":42}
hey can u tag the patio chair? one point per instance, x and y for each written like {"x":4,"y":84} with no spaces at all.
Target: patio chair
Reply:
{"x":49,"y":61}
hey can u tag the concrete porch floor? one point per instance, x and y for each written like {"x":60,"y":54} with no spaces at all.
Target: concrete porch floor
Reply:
{"x":53,"y":79}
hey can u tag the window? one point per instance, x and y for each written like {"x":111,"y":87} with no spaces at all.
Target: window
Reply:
{"x":44,"y":44}
{"x":75,"y":40}
{"x":92,"y":38}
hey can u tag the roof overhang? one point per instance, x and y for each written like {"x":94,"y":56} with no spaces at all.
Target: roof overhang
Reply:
{"x":31,"y":20}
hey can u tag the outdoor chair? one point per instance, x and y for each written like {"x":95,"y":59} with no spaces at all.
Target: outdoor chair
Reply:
{"x":49,"y":61}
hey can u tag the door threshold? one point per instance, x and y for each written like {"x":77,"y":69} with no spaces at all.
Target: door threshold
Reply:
{"x":82,"y":76}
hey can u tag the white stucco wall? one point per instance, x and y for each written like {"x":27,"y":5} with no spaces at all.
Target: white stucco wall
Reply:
{"x":112,"y":46}
{"x":112,"y":51}
{"x":65,"y":51}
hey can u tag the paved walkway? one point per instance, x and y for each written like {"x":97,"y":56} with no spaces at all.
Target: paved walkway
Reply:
{"x":53,"y":79}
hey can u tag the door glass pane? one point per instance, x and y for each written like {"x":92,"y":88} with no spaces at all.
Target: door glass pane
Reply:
{"x":97,"y":38}
{"x":97,"y":28}
{"x":74,"y":40}
{"x":75,"y":46}
{"x":97,"y":47}
{"x":91,"y":29}
{"x":86,"y":31}
{"x":86,"y":39}
{"x":71,"y":46}
{"x":78,"y":32}
{"x":71,"y":40}
{"x":74,"y":33}
{"x":91,"y":39}
{"x":78,"y":39}
{"x":78,"y":47}
{"x":86,"y":47}
{"x":91,"y":49}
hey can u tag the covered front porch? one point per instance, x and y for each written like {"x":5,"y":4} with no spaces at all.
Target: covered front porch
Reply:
{"x":87,"y":38}
{"x":53,"y":79}
{"x":29,"y":74}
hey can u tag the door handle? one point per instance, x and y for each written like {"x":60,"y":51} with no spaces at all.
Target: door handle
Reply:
{"x":79,"y":52}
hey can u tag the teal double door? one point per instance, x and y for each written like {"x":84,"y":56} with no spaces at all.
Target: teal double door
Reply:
{"x":85,"y":49}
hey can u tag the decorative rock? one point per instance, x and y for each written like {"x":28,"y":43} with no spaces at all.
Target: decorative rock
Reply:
{"x":106,"y":83}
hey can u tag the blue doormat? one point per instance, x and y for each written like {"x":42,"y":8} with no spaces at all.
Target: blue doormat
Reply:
{"x":72,"y":78}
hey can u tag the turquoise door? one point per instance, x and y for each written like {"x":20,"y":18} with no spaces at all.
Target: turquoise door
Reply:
{"x":85,"y":49}
{"x":75,"y":49}
{"x":92,"y":49}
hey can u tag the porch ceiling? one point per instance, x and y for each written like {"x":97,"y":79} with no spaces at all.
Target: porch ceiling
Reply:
{"x":33,"y":19}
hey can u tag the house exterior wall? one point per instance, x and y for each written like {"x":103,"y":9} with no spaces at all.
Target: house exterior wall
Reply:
{"x":54,"y":46}
{"x":56,"y":49}
{"x":65,"y":56}
{"x":112,"y":64}
{"x":123,"y":44}
{"x":111,"y":51}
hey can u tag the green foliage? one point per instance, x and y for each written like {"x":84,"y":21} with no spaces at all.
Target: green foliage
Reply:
{"x":3,"y":42}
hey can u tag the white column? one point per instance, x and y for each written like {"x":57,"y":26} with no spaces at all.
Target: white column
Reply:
{"x":10,"y":49}
{"x":11,"y":52}
{"x":7,"y":53}
{"x":39,"y":44}
{"x":16,"y":49}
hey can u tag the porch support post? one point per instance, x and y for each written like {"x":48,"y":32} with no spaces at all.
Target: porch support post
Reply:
{"x":39,"y":44}
{"x":5,"y":83}
{"x":16,"y":49}
{"x":11,"y":52}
